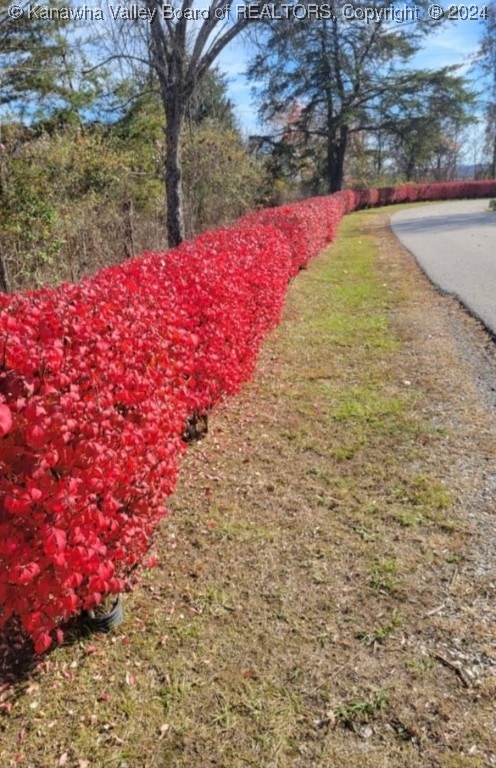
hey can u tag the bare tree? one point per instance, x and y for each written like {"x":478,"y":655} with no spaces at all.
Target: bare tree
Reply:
{"x":184,"y":43}
{"x":172,"y":46}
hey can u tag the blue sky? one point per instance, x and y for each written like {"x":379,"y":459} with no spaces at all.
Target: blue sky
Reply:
{"x":454,"y":43}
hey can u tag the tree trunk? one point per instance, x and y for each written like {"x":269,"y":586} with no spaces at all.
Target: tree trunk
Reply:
{"x":493,"y":160}
{"x":4,"y":277}
{"x":128,"y":215}
{"x":336,"y":151}
{"x":173,"y":186}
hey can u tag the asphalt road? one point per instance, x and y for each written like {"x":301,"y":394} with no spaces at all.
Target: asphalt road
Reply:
{"x":455,"y":244}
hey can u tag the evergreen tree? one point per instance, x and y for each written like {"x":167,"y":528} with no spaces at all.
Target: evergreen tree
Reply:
{"x":424,"y":123}
{"x":345,"y":77}
{"x":487,"y":62}
{"x":41,"y":64}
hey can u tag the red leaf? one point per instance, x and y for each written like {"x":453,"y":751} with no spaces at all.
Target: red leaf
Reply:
{"x":5,"y":420}
{"x":35,"y":494}
{"x":54,"y":541}
{"x":42,"y":642}
{"x":23,"y":574}
{"x":18,"y":504}
{"x":34,"y":436}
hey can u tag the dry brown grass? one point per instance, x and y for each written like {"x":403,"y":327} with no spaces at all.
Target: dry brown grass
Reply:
{"x":325,"y":593}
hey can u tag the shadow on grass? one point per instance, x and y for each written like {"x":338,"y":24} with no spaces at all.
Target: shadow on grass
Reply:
{"x":18,"y":660}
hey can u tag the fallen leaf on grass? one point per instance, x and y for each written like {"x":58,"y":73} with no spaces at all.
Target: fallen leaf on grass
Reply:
{"x":104,"y":697}
{"x":131,"y":679}
{"x":248,"y":673}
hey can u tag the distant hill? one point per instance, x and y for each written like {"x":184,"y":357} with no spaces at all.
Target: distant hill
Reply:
{"x":471,"y":171}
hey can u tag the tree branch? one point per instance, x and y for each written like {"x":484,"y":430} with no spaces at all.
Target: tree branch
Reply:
{"x":113,"y":58}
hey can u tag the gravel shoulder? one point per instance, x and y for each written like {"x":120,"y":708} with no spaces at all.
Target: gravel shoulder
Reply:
{"x":456,"y":365}
{"x":466,"y":353}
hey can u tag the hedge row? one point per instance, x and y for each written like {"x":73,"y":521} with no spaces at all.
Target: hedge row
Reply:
{"x":98,"y":379}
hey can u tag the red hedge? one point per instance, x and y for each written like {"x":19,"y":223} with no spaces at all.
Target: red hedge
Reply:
{"x":98,"y":379}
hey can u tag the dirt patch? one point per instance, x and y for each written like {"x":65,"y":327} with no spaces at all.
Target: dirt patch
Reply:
{"x":326,"y":593}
